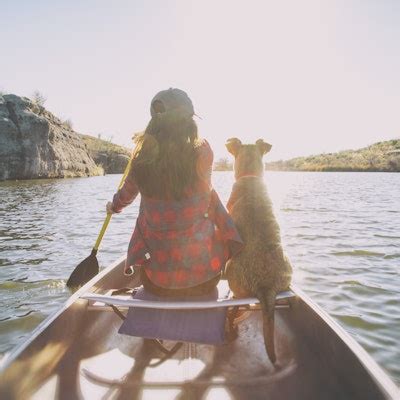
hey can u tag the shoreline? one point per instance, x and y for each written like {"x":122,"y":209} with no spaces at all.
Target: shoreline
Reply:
{"x":43,"y":179}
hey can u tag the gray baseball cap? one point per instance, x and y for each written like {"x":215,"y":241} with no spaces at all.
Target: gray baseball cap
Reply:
{"x":173,"y":99}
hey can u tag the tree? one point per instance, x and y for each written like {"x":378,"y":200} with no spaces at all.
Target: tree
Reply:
{"x":223,"y":164}
{"x":39,"y":98}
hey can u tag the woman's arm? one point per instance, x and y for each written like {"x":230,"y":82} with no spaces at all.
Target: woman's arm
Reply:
{"x":125,"y":195}
{"x":204,"y":162}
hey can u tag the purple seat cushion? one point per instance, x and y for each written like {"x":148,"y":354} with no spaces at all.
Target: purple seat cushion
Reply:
{"x":198,"y":326}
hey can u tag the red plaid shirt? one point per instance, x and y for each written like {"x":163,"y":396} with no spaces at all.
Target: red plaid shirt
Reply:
{"x":181,"y":243}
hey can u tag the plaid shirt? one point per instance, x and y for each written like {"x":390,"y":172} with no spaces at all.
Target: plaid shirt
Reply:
{"x":181,"y":243}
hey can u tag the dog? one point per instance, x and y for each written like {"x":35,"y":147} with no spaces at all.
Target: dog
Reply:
{"x":261,"y":269}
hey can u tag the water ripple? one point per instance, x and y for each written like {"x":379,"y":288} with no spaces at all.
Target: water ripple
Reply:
{"x":358,"y":253}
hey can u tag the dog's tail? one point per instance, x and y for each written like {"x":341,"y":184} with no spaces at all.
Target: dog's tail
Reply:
{"x":267,"y":301}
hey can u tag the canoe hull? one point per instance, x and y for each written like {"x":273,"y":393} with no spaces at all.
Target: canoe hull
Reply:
{"x":77,"y":353}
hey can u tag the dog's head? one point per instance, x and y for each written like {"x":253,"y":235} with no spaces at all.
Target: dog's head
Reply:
{"x":248,"y":157}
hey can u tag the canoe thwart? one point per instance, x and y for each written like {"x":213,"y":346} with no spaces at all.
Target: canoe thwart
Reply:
{"x":127,"y":302}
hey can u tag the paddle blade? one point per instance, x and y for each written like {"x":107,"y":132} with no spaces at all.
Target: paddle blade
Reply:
{"x":84,"y":272}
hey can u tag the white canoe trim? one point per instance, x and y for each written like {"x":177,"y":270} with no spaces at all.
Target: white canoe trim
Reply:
{"x":178,"y":305}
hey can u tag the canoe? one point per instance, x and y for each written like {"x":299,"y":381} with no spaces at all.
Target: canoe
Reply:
{"x":78,"y":354}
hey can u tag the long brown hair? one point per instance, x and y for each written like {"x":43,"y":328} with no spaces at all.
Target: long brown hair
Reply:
{"x":164,"y":159}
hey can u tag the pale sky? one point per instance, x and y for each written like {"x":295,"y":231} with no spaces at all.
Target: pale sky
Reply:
{"x":307,"y":76}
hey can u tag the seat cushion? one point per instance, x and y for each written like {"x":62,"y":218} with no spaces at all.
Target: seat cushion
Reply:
{"x":199,"y":326}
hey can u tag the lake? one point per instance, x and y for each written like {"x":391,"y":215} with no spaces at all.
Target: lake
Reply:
{"x":340,"y":230}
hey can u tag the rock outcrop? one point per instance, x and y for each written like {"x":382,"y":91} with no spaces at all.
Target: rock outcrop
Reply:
{"x":112,"y":163}
{"x":36,"y":144}
{"x":111,"y":157}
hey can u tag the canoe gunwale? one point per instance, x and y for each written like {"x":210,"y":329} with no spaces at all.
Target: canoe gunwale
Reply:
{"x":376,"y":373}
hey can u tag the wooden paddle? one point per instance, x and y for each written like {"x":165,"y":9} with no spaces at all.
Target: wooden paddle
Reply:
{"x":89,"y":267}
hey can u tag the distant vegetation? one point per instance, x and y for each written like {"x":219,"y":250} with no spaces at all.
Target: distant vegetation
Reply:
{"x":223,"y":164}
{"x":381,"y":156}
{"x":68,"y":123}
{"x":38,"y":98}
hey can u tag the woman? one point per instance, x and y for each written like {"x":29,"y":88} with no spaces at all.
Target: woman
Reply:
{"x":183,"y":234}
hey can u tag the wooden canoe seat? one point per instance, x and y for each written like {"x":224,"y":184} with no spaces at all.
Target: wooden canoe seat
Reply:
{"x":124,"y":302}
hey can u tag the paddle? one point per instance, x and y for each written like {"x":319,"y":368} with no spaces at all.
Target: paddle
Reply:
{"x":89,"y":267}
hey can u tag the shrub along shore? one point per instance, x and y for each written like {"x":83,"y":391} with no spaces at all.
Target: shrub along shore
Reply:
{"x":379,"y":157}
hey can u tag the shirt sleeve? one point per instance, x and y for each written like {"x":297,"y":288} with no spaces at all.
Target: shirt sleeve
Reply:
{"x":204,"y":161}
{"x":226,"y":227}
{"x":126,"y":194}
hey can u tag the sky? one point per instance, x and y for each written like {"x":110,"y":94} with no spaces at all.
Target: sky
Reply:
{"x":306,"y":76}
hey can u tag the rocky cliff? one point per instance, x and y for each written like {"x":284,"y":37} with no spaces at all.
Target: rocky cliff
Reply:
{"x":111,"y":157}
{"x":36,"y":144}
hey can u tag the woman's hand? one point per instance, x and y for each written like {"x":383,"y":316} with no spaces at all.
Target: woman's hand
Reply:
{"x":109,"y":208}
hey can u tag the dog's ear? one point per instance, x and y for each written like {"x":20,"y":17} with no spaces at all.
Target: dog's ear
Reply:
{"x":264,"y":147}
{"x":233,"y":146}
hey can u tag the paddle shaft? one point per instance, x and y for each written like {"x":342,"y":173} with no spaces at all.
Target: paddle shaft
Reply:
{"x":109,"y":215}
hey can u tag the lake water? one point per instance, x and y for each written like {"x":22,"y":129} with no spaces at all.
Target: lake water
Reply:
{"x":341,"y":231}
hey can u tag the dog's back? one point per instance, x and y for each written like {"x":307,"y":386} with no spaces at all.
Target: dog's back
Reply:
{"x":261,"y":269}
{"x":262,"y":261}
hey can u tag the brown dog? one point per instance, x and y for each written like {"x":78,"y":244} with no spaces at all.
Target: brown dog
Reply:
{"x":261,"y":269}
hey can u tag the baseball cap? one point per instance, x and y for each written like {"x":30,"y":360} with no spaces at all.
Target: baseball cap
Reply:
{"x":173,"y":99}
